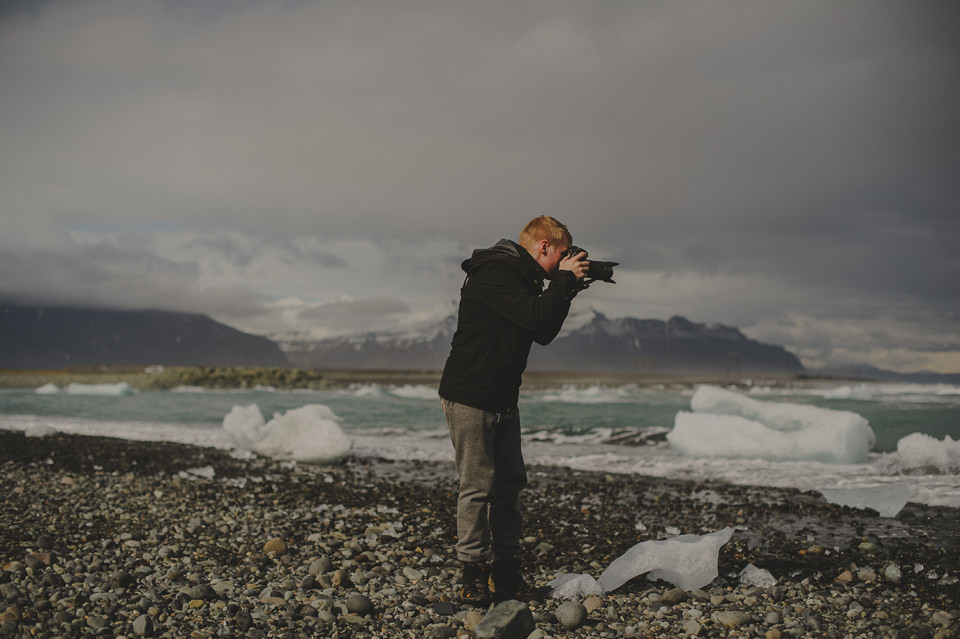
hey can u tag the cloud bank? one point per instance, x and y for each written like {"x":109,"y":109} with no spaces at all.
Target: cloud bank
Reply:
{"x":288,"y":166}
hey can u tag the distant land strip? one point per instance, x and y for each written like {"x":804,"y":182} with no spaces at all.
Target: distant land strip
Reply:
{"x":233,"y":377}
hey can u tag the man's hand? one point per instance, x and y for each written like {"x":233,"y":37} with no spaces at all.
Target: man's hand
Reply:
{"x":576,"y":264}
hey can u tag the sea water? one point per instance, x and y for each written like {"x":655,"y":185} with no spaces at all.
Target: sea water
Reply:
{"x":620,"y":429}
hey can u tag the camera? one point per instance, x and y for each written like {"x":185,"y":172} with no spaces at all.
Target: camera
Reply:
{"x":602,"y":271}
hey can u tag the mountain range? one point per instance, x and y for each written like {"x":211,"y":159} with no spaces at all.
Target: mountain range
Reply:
{"x":676,"y":346}
{"x":51,"y":337}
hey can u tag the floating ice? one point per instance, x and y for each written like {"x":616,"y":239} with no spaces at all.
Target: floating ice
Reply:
{"x":47,"y":389}
{"x":886,"y":499}
{"x":589,"y":395}
{"x":120,"y":388}
{"x":922,"y":452}
{"x":860,"y":393}
{"x":759,"y":577}
{"x":308,"y":434}
{"x":727,"y":424}
{"x":686,"y":561}
{"x":188,"y":389}
{"x":414,"y":392}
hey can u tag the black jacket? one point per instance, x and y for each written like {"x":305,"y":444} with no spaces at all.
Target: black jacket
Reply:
{"x":503,"y":310}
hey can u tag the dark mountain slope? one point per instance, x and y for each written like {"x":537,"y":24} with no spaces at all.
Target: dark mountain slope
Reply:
{"x":34,"y":337}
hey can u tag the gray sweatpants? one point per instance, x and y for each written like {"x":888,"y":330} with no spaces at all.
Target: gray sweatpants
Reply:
{"x":492,"y":474}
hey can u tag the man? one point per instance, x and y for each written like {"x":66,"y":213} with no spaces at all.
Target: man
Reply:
{"x":503,"y":310}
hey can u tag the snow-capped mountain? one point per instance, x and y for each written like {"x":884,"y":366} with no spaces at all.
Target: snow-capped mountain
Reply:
{"x":675,"y":346}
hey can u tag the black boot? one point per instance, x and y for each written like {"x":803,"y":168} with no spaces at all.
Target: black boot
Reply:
{"x":507,"y":582}
{"x":475,"y":590}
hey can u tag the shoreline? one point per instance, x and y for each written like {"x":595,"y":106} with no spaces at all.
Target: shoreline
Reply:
{"x":131,"y":534}
{"x":224,"y":377}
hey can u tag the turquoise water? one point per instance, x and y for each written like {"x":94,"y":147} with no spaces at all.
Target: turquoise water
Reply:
{"x":893,"y":411}
{"x":591,"y":428}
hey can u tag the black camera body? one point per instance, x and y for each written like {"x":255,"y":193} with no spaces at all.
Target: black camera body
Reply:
{"x":599,"y":271}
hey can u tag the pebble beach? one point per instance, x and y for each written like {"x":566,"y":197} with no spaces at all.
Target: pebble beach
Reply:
{"x":104,"y":537}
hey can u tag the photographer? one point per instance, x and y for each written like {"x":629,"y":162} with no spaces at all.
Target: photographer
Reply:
{"x":503,"y":310}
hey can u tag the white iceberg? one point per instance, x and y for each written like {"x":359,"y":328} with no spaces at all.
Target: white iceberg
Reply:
{"x":921,"y":452}
{"x":886,"y":499}
{"x":118,"y":389}
{"x":308,"y":434}
{"x":47,"y":389}
{"x":730,"y":425}
{"x":687,"y":561}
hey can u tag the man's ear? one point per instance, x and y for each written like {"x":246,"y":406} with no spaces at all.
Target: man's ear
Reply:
{"x":543,"y":245}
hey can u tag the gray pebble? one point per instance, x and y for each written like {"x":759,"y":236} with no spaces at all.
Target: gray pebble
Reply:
{"x":359,"y":604}
{"x":96,"y":621}
{"x":143,"y":626}
{"x":506,"y":620}
{"x":733,"y":618}
{"x":320,"y":566}
{"x":571,"y":614}
{"x":673,"y":596}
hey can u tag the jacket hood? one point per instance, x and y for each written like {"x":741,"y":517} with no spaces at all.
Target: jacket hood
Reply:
{"x":502,"y":250}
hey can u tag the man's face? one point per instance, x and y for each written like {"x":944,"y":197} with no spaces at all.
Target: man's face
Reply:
{"x":551,"y":257}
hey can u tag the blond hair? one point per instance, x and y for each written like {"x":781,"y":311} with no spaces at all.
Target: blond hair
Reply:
{"x":545,"y":227}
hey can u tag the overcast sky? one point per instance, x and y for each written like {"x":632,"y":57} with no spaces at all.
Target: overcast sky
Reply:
{"x":789,"y":168}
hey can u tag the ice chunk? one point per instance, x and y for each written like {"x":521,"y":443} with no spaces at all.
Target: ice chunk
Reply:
{"x":120,"y":388}
{"x":727,"y":424}
{"x":308,"y":434}
{"x":919,"y":451}
{"x":783,"y":416}
{"x":205,"y":472}
{"x":47,"y":389}
{"x":40,"y":430}
{"x":860,"y":392}
{"x":886,"y":499}
{"x":245,"y":425}
{"x":687,"y":561}
{"x":759,"y":577}
{"x":572,"y":586}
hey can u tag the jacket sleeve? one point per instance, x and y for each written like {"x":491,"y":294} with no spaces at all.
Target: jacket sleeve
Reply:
{"x":503,"y":290}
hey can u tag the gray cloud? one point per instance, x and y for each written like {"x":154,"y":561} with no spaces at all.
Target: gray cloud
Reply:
{"x":105,"y":276}
{"x":746,"y":163}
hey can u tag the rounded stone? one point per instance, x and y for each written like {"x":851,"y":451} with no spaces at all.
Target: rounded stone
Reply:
{"x":592,"y":602}
{"x":45,"y":542}
{"x":143,"y":626}
{"x":276,"y":546}
{"x":120,"y":579}
{"x":571,"y":615}
{"x":359,"y":604}
{"x":320,"y":566}
{"x":733,"y":618}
